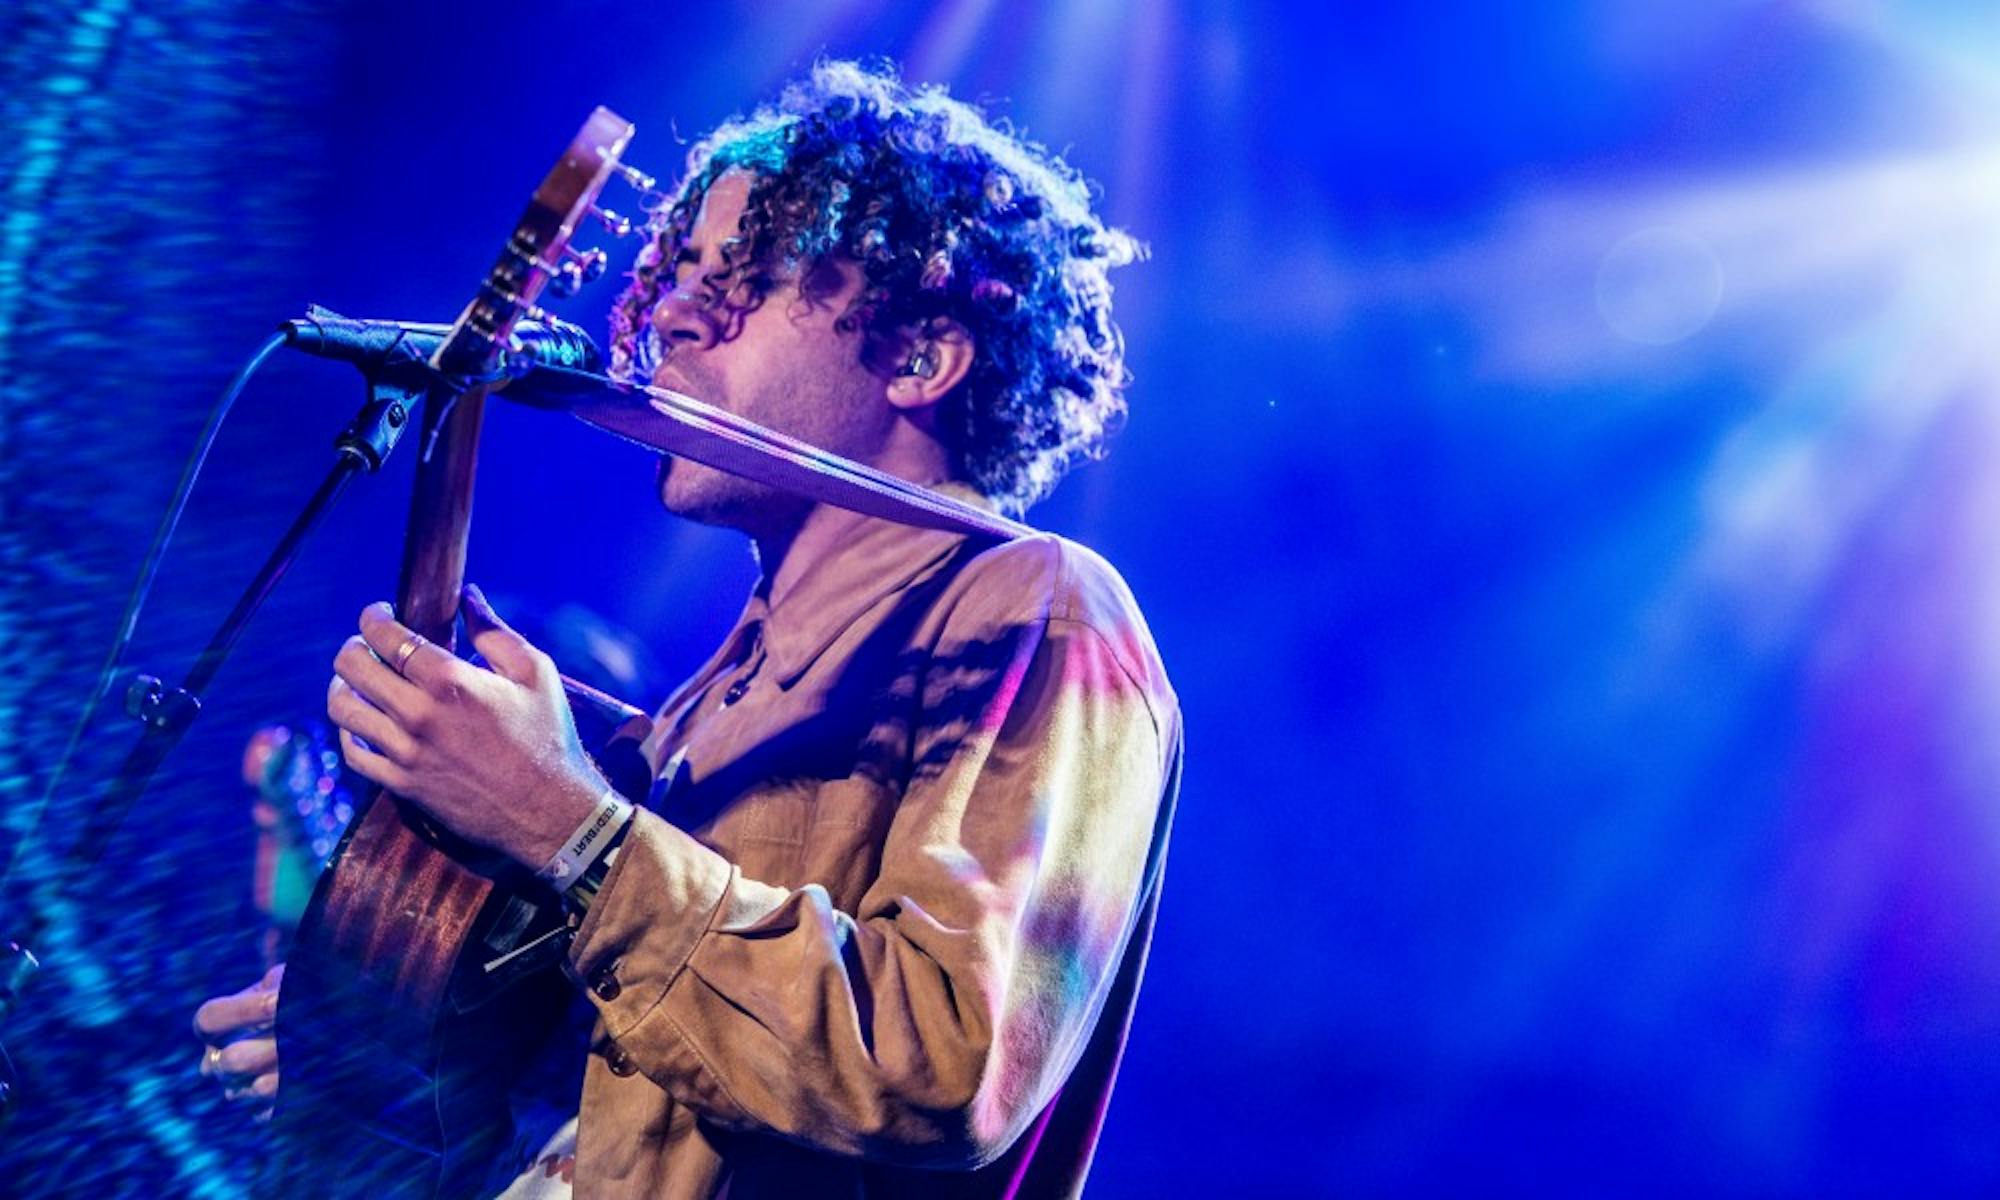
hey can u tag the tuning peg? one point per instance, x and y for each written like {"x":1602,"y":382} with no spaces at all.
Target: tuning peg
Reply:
{"x":566,"y":280}
{"x":640,"y":181}
{"x":651,"y":198}
{"x":618,"y":225}
{"x":577,"y":268}
{"x":594,"y":263}
{"x":589,"y":264}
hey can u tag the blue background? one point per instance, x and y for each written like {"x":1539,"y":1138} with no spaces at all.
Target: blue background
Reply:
{"x":1560,"y":479}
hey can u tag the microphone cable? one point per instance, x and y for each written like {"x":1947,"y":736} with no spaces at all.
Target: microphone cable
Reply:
{"x":149,"y":568}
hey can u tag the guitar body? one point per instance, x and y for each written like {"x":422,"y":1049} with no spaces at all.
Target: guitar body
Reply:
{"x":397,"y":1050}
{"x":422,"y":978}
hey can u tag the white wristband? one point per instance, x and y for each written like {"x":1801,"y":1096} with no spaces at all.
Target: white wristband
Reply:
{"x":589,"y":841}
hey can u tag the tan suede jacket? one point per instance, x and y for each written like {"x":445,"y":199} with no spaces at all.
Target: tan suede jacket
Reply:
{"x":883,"y":935}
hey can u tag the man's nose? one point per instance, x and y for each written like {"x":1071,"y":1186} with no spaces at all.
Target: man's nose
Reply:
{"x":682,"y":321}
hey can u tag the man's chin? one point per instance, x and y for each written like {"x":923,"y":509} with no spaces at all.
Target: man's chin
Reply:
{"x":702,"y":494}
{"x":689,"y":489}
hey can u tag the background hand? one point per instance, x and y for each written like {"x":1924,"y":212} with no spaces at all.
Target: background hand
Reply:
{"x":242,"y":1046}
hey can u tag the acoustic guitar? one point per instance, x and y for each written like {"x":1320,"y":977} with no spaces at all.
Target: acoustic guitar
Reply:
{"x":422,"y":973}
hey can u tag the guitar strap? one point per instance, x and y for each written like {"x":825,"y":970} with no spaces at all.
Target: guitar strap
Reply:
{"x":681,"y":425}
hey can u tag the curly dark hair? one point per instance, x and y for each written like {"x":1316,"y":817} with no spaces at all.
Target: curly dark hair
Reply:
{"x":953,"y":218}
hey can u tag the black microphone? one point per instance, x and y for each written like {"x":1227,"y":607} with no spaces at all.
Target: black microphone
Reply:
{"x":383,"y":346}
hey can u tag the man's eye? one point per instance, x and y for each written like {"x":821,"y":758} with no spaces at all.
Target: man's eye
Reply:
{"x":745,"y":288}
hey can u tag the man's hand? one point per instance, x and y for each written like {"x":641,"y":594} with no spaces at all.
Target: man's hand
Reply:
{"x":491,"y":754}
{"x":242,"y":1053}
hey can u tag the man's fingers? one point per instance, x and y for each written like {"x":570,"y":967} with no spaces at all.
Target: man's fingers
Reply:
{"x":261,"y":1090}
{"x":242,"y":1054}
{"x":404,"y":652}
{"x":509,"y":654}
{"x":371,"y":765}
{"x":351,"y":711}
{"x":226,"y":1017}
{"x":381,"y":687}
{"x":247,"y":1059}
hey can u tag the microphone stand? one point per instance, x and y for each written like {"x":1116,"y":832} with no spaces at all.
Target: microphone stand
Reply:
{"x":168,"y":712}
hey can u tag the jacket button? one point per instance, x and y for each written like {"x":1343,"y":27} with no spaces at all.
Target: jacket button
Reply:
{"x":605,"y":984}
{"x":621,"y":1063}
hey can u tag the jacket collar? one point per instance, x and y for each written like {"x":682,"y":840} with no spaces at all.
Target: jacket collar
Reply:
{"x":806,"y":606}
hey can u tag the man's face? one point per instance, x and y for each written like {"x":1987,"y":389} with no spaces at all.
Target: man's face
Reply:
{"x":781,"y":364}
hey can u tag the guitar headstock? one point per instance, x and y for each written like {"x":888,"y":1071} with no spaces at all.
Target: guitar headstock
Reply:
{"x":538,"y":254}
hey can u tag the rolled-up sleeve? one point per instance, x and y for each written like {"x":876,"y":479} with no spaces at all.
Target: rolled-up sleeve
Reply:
{"x":929,"y":1025}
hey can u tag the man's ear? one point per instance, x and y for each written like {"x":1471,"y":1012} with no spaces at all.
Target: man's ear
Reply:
{"x":927,"y":363}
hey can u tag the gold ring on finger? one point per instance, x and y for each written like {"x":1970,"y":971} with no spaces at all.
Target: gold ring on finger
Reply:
{"x":410,"y":646}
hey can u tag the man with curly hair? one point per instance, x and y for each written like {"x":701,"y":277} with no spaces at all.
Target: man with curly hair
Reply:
{"x":880,"y":930}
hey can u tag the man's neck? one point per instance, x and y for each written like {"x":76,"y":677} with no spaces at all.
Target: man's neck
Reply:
{"x":787,"y":554}
{"x":786,"y":558}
